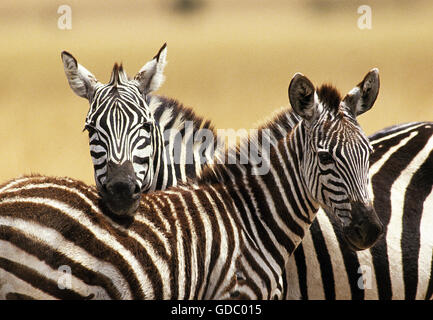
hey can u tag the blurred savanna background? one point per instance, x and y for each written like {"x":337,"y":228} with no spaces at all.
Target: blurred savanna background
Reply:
{"x":230,"y":60}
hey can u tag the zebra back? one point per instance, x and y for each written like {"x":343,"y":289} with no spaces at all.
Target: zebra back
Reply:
{"x":57,"y":242}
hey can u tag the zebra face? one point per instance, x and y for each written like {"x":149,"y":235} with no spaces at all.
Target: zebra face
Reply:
{"x":340,"y":161}
{"x":121,"y":130}
{"x":120,"y":137}
{"x":336,"y":164}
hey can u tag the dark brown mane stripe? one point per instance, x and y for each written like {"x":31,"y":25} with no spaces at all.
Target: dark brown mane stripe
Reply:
{"x":329,"y":96}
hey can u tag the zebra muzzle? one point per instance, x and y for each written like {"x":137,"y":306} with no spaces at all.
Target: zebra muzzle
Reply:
{"x":121,"y":192}
{"x":365,"y":228}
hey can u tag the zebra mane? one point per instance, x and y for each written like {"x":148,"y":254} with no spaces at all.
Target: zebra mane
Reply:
{"x":118,"y":75}
{"x":171,"y":114}
{"x":282,"y":121}
{"x":329,"y":96}
{"x":280,"y":124}
{"x":272,"y":131}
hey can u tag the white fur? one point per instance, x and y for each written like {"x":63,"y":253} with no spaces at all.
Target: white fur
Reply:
{"x":80,"y":79}
{"x":151,"y":75}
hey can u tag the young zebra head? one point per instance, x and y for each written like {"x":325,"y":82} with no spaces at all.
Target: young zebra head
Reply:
{"x":121,"y":129}
{"x":337,"y":158}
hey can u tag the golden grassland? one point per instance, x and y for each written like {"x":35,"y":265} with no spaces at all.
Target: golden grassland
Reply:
{"x":231,"y":61}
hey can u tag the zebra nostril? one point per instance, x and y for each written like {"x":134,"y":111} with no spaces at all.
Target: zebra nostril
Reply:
{"x":137,"y":189}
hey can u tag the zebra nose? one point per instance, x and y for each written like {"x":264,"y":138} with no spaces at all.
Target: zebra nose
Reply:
{"x":365,"y":228}
{"x":123,"y":189}
{"x":121,"y":197}
{"x":121,"y":192}
{"x":121,"y":180}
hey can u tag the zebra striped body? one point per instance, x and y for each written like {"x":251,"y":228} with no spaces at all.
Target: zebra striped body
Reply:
{"x":400,"y":265}
{"x":167,"y":251}
{"x":227,"y":236}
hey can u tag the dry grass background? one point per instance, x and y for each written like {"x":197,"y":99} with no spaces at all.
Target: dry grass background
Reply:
{"x":231,"y":61}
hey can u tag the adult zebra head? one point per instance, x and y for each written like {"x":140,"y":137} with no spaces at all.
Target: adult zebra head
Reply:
{"x":122,"y":131}
{"x":335,"y":166}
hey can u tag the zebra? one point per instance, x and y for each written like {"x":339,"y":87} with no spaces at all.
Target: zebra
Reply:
{"x":400,"y":265}
{"x":280,"y":126}
{"x":227,"y":235}
{"x":139,"y":142}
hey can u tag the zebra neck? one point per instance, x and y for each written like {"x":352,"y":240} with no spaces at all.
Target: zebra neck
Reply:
{"x":162,"y":163}
{"x":275,"y":208}
{"x":179,"y":152}
{"x":281,"y":123}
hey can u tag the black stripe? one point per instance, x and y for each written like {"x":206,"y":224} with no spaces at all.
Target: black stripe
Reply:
{"x":158,"y":160}
{"x":301,"y":266}
{"x":350,"y":260}
{"x":18,"y":296}
{"x":417,"y":191}
{"x":324,"y":261}
{"x":380,"y":148}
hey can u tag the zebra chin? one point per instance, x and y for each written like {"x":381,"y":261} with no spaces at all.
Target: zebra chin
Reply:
{"x":365,"y":228}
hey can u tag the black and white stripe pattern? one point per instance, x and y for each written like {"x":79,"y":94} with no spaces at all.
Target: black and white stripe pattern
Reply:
{"x":121,"y":128}
{"x":139,"y":142}
{"x":227,"y":236}
{"x":400,"y":265}
{"x":127,"y":123}
{"x":185,"y":151}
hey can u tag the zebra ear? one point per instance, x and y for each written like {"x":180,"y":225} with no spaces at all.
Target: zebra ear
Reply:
{"x":150,"y":77}
{"x":301,"y":96}
{"x":361,"y":98}
{"x":81,"y":81}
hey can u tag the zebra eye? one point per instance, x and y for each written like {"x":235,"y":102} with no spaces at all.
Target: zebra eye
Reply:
{"x":147,"y":126}
{"x":325,"y":158}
